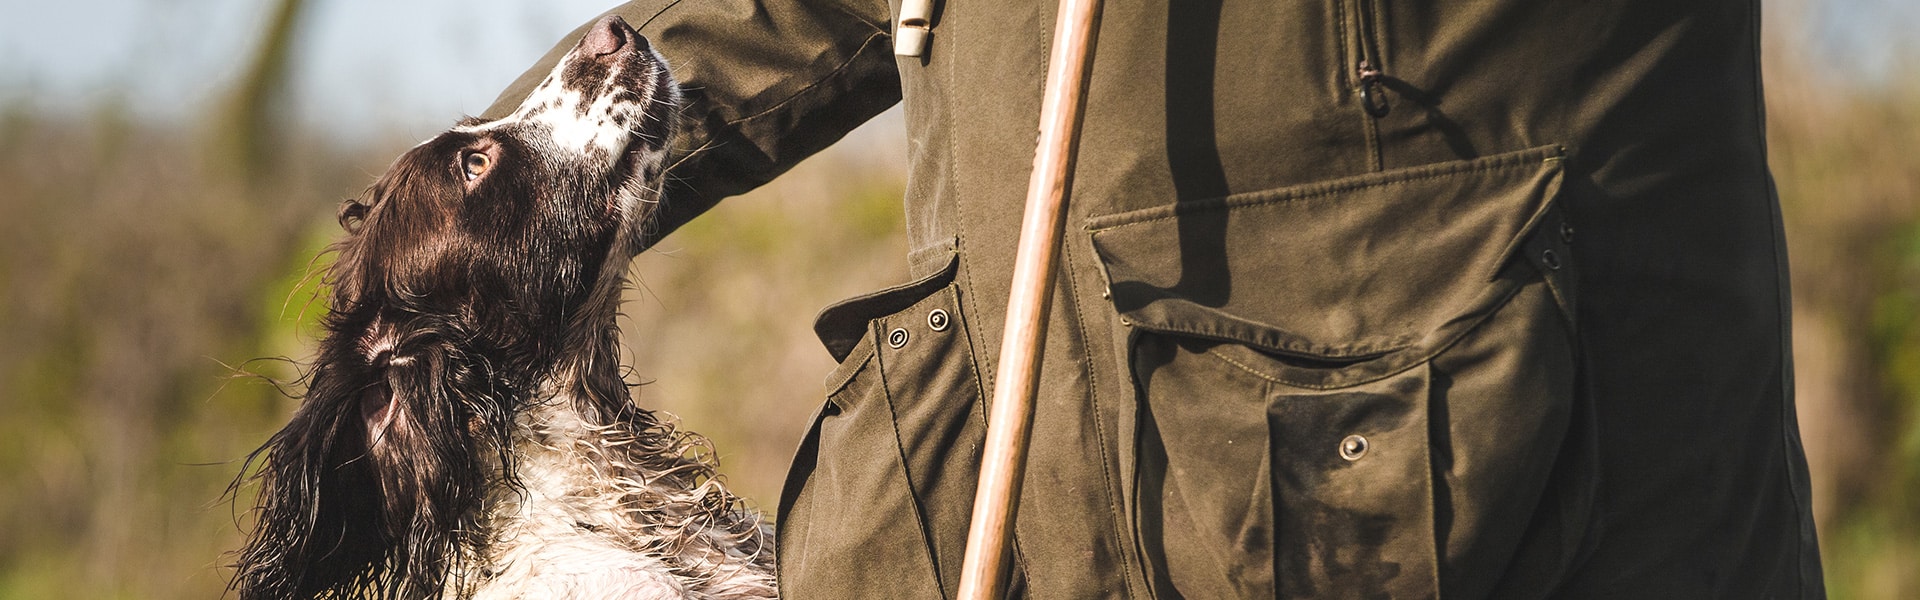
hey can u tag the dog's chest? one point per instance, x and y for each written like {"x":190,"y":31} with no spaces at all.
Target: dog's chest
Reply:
{"x":580,"y":526}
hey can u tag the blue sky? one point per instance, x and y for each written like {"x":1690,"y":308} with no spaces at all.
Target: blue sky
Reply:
{"x":379,"y":68}
{"x":385,"y":69}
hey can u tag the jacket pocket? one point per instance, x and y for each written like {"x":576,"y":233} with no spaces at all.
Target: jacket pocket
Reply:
{"x":869,"y":509}
{"x":1348,"y":388}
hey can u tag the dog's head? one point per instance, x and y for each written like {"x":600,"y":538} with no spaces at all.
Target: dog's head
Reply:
{"x":534,"y":206}
{"x":485,"y":262}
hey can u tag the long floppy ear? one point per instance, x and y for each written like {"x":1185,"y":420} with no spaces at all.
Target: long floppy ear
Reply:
{"x":420,"y":433}
{"x":374,"y":489}
{"x":317,"y":531}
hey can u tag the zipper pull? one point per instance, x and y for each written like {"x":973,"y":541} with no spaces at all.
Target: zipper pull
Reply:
{"x":1370,"y":98}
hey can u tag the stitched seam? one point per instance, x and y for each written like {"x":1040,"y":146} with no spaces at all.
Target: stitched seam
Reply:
{"x":900,"y":452}
{"x":840,"y":383}
{"x":1386,"y":346}
{"x":979,"y":388}
{"x":1346,"y":57}
{"x":816,"y":83}
{"x":1244,"y":367}
{"x":1046,"y":51}
{"x":1526,"y":231}
{"x":1366,"y":34}
{"x":837,"y":70}
{"x":704,"y":144}
{"x":943,"y":248}
{"x":1277,"y":379}
{"x":1284,"y":198}
{"x":1420,"y":359}
{"x":1370,"y":125}
{"x":1115,"y":513}
{"x":1257,"y":199}
{"x":989,"y":376}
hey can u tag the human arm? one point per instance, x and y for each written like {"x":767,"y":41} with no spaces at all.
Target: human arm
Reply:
{"x":765,"y":84}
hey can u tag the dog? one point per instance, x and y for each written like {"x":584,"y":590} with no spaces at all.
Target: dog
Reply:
{"x":466,"y":430}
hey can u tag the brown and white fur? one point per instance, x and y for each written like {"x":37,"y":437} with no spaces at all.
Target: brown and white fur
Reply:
{"x":466,"y":430}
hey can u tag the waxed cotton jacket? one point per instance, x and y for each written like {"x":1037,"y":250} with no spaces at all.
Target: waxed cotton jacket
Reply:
{"x":1360,"y":298}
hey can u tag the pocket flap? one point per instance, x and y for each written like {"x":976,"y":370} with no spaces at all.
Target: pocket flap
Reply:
{"x":842,"y":325}
{"x":1344,"y":269}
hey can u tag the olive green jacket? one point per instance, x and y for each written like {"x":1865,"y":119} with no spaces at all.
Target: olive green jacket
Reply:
{"x":1361,"y":298}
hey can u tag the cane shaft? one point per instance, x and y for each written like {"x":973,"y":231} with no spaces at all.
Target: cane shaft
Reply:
{"x":1010,"y":420}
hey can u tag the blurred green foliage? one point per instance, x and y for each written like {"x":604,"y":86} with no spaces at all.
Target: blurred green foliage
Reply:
{"x":141,"y":275}
{"x":1846,"y":158}
{"x":720,"y":317}
{"x":131,"y":271}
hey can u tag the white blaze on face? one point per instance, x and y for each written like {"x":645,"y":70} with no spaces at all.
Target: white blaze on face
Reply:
{"x":595,"y":131}
{"x":601,"y":119}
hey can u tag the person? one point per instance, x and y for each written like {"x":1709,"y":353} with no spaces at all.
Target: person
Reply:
{"x":1358,"y":299}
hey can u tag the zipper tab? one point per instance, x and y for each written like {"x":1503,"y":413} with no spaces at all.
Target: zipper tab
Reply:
{"x":1371,"y":100}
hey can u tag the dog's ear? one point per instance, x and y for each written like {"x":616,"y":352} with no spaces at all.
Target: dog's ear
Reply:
{"x":346,"y":272}
{"x":352,"y":213}
{"x":316,"y":532}
{"x":371,"y":486}
{"x":413,"y":426}
{"x":434,"y":431}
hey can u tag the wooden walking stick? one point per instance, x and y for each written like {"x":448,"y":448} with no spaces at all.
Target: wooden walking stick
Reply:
{"x":983,"y":574}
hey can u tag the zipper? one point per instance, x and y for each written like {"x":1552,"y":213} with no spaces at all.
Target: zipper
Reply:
{"x":1373,"y":98}
{"x":1367,"y":74}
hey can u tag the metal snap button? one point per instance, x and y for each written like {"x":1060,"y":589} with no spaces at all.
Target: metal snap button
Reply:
{"x":1353,"y":447}
{"x":938,"y":320}
{"x":897,"y":339}
{"x":1566,"y":232}
{"x":1547,"y":257}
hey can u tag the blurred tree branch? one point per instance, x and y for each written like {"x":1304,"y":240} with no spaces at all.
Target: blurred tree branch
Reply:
{"x":252,"y":117}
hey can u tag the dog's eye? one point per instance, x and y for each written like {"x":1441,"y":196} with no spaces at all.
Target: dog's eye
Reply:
{"x":475,"y":164}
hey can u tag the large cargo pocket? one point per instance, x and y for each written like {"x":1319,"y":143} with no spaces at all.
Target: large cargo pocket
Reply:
{"x":877,"y":500}
{"x":1344,"y":384}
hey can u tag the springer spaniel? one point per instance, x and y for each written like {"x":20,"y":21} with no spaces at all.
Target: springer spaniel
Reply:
{"x":466,"y":432}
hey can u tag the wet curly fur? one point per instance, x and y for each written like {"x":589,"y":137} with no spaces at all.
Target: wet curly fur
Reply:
{"x":466,"y":431}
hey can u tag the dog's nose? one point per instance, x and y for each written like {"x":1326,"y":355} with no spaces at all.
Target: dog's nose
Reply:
{"x":608,"y":36}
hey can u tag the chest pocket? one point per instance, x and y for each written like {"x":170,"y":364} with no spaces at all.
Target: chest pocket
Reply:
{"x":867,"y":508}
{"x":1348,"y":388}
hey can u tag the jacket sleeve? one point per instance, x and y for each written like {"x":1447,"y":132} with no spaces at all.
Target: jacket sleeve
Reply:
{"x":765,"y":84}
